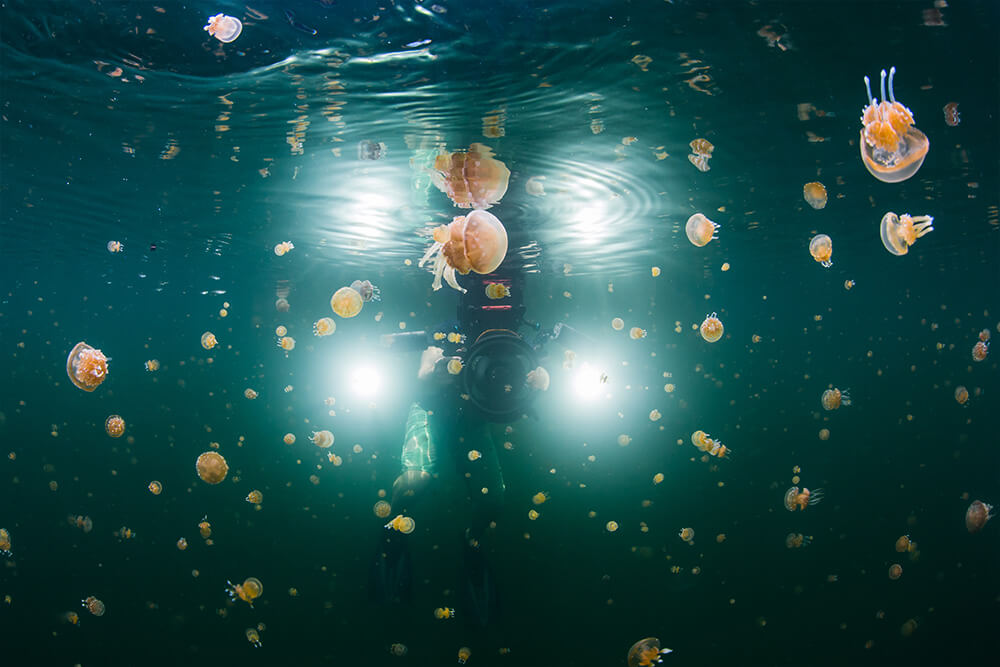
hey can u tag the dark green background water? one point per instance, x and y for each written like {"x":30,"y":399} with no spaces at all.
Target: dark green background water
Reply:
{"x":82,"y":164}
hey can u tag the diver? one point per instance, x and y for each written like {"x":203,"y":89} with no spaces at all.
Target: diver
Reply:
{"x":476,"y":372}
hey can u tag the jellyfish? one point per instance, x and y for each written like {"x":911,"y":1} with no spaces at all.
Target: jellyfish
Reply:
{"x":402,"y":524}
{"x":702,"y":147}
{"x":322,"y":439}
{"x":700,"y":230}
{"x":834,"y":398}
{"x":977,"y":515}
{"x":324,"y":326}
{"x":455,"y":366}
{"x":711,"y":329}
{"x":115,"y":246}
{"x":442,"y":613}
{"x":476,"y":242}
{"x":114,"y":426}
{"x":646,"y":652}
{"x":635,"y":333}
{"x":93,"y":605}
{"x":286,"y":343}
{"x":208,"y":340}
{"x":253,"y":637}
{"x":794,"y":499}
{"x":283,"y":248}
{"x":539,"y":498}
{"x":255,"y":497}
{"x":250,"y":393}
{"x":86,"y":367}
{"x":212,"y":467}
{"x":797,"y":540}
{"x":821,"y":248}
{"x":204,"y":528}
{"x":5,"y":542}
{"x":611,"y":526}
{"x":248,"y":591}
{"x":182,"y":544}
{"x":367,"y":291}
{"x":497,"y":291}
{"x":464,"y":654}
{"x":849,"y":285}
{"x":951,"y":116}
{"x":687,"y":534}
{"x":155,"y":487}
{"x":892,"y":149}
{"x":895,"y":571}
{"x":815,"y":194}
{"x":538,"y":379}
{"x":980,"y":351}
{"x":902,"y":231}
{"x":700,"y":162}
{"x":152,"y":365}
{"x":346,"y":302}
{"x":281,"y":305}
{"x":658,"y":478}
{"x":224,"y":28}
{"x":961,"y":395}
{"x":618,"y":324}
{"x":369,"y":150}
{"x":471,"y":179}
{"x":398,"y":650}
{"x":905,"y":544}
{"x":382,"y":509}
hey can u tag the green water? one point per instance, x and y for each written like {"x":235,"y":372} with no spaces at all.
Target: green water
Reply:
{"x":200,"y":157}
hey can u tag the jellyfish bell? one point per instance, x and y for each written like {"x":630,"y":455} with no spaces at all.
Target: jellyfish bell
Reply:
{"x":700,"y":230}
{"x":224,"y":28}
{"x":899,"y":232}
{"x":977,"y":515}
{"x":86,"y":367}
{"x":472,"y":178}
{"x":346,"y":302}
{"x":892,"y":149}
{"x":212,"y":467}
{"x":475,"y":242}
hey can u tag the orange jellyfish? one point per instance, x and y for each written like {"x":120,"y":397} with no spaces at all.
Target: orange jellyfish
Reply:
{"x":899,"y":232}
{"x":208,"y":340}
{"x":538,"y":379}
{"x":700,"y":230}
{"x":255,"y":497}
{"x":618,"y":324}
{"x":471,"y":179}
{"x":86,"y":367}
{"x":905,"y":544}
{"x":324,"y":326}
{"x":115,"y":246}
{"x":152,"y":365}
{"x":977,"y":515}
{"x":250,"y":393}
{"x":635,"y":333}
{"x":224,"y":28}
{"x":834,"y":398}
{"x":797,"y":540}
{"x":646,"y":652}
{"x":892,"y":149}
{"x":895,"y":571}
{"x":382,"y":509}
{"x":687,"y":534}
{"x":367,"y":291}
{"x":4,"y":542}
{"x":815,"y":194}
{"x":464,"y":654}
{"x":821,"y":248}
{"x":961,"y":395}
{"x":984,"y":335}
{"x":204,"y":528}
{"x":114,"y":426}
{"x":539,"y":497}
{"x":476,"y":242}
{"x":322,"y":439}
{"x":286,"y":343}
{"x":442,"y":613}
{"x":980,"y":350}
{"x":253,"y":637}
{"x":93,"y":605}
{"x":155,"y":487}
{"x":951,"y":116}
{"x":403,"y":524}
{"x":346,"y":302}
{"x":248,"y":591}
{"x":212,"y":467}
{"x":798,"y":500}
{"x":283,"y":248}
{"x":182,"y":544}
{"x":497,"y":291}
{"x":712,"y":329}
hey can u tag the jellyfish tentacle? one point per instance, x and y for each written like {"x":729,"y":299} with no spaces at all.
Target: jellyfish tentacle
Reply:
{"x":892,"y":73}
{"x":883,"y":85}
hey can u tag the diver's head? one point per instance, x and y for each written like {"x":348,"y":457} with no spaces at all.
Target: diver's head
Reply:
{"x":495,"y":372}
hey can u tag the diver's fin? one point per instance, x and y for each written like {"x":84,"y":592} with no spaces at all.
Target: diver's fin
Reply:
{"x":390,"y":577}
{"x":479,"y":590}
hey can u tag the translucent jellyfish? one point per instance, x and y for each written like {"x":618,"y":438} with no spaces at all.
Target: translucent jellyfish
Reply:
{"x":702,"y":147}
{"x":471,"y":179}
{"x":834,"y":398}
{"x":208,"y":340}
{"x":700,"y":162}
{"x":712,"y":329}
{"x":322,"y":439}
{"x":796,"y":541}
{"x":224,"y":28}
{"x":899,"y":232}
{"x":114,"y":426}
{"x":474,"y":455}
{"x":455,"y":366}
{"x":476,"y":242}
{"x":442,"y":613}
{"x":892,"y":149}
{"x":253,"y":637}
{"x":280,"y":330}
{"x":346,"y":302}
{"x":255,"y":497}
{"x":961,"y":395}
{"x":977,"y":515}
{"x":533,"y":515}
{"x":281,"y":305}
{"x":250,"y":393}
{"x":497,"y":291}
{"x":821,"y":248}
{"x":646,"y":652}
{"x":611,"y":526}
{"x":86,"y":367}
{"x":798,"y":500}
{"x":370,"y":151}
{"x":155,"y":487}
{"x":289,"y":439}
{"x":403,"y":524}
{"x":905,"y":544}
{"x":382,"y":509}
{"x":248,"y":591}
{"x":984,"y":335}
{"x":538,"y":379}
{"x":152,"y":365}
{"x":464,"y":654}
{"x":815,"y":194}
{"x":980,"y":351}
{"x":324,"y":326}
{"x":951,"y":116}
{"x":115,"y":246}
{"x":204,"y":528}
{"x":635,"y":333}
{"x":283,"y":248}
{"x":687,"y":534}
{"x":5,"y":542}
{"x":654,"y":415}
{"x":618,"y":324}
{"x":94,"y":606}
{"x":182,"y":544}
{"x":286,"y":343}
{"x":212,"y":467}
{"x":367,"y":291}
{"x":539,"y":498}
{"x":849,"y":285}
{"x":700,"y":230}
{"x":398,"y":650}
{"x":895,"y":571}
{"x":658,"y":478}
